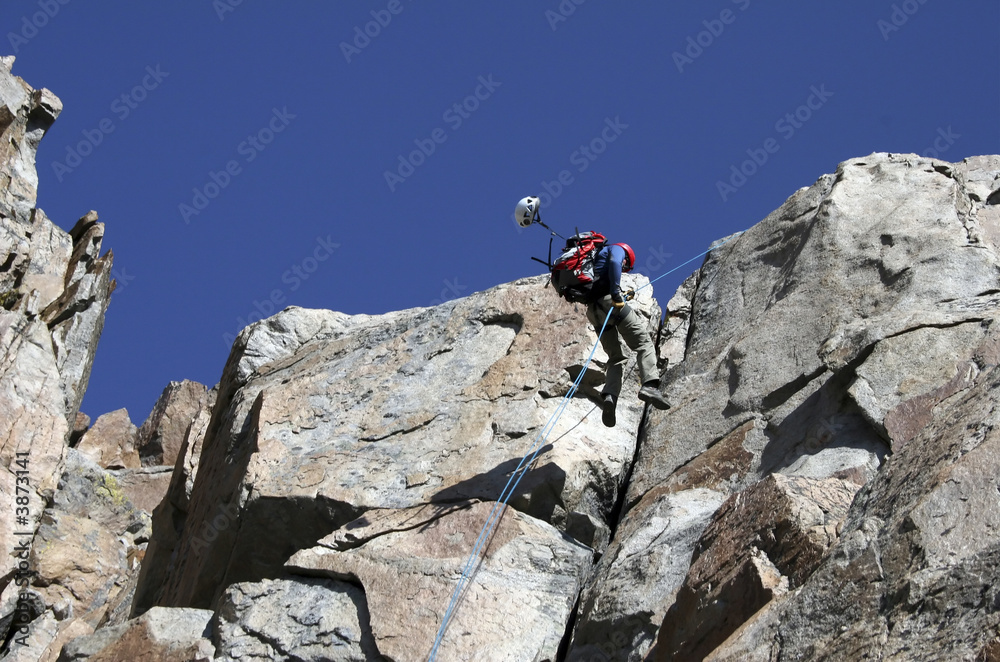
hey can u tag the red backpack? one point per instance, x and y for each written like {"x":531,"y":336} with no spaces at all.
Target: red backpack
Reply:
{"x":573,"y":273}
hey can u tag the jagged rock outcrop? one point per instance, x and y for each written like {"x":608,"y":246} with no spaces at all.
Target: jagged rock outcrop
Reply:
{"x":761,"y":542}
{"x":323,"y":418}
{"x":76,"y":541}
{"x":111,"y":441}
{"x":170,"y":513}
{"x":824,"y":486}
{"x":915,"y":574}
{"x":162,"y":437}
{"x":79,"y":559}
{"x":54,"y":290}
{"x":821,"y":341}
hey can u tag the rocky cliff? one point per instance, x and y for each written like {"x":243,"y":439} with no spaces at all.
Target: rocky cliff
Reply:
{"x":77,"y":496}
{"x":54,"y":289}
{"x":825,"y":485}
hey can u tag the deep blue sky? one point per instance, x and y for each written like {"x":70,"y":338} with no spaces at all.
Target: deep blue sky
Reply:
{"x":669,"y":118}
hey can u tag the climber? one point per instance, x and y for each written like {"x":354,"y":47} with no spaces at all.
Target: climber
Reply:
{"x":589,"y":271}
{"x":624,"y":324}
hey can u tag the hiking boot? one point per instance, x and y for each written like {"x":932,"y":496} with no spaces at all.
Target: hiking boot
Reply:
{"x":650,"y":394}
{"x":608,"y":417}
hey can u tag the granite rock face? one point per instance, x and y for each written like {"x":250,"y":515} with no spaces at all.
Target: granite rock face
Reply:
{"x":824,"y":486}
{"x":914,"y":576}
{"x":54,"y":289}
{"x":818,"y":362}
{"x":166,"y":635}
{"x":111,"y":441}
{"x":822,"y":343}
{"x":301,"y":618}
{"x":325,"y":422}
{"x":761,"y":543}
{"x":80,"y":559}
{"x":407,"y":559}
{"x":162,"y":437}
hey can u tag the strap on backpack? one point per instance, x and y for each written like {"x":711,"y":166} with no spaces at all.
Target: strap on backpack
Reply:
{"x":549,"y":263}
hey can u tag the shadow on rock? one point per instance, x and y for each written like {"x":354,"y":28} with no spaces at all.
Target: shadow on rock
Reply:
{"x":538,"y":493}
{"x":825,"y":435}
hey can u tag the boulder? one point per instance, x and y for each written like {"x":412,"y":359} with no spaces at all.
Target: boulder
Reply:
{"x":33,"y":641}
{"x":432,"y":405}
{"x":111,"y":441}
{"x":162,"y":435}
{"x":299,"y":618}
{"x":166,"y":635}
{"x":516,"y":605}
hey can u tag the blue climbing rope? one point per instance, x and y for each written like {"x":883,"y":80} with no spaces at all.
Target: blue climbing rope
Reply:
{"x":703,"y":253}
{"x":525,"y":464}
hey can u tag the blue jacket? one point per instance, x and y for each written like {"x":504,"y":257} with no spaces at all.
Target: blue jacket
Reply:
{"x":608,"y":270}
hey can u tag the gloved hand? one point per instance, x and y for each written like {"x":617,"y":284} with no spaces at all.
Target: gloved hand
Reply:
{"x":629,"y":295}
{"x":617,"y":300}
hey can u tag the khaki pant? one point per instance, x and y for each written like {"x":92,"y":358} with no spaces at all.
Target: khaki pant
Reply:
{"x":630,"y":328}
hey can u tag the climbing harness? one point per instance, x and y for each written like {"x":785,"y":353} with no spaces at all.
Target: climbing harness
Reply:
{"x":527,"y":461}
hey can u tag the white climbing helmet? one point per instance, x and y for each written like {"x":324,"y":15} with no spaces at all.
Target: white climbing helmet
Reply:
{"x":526,"y":211}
